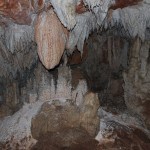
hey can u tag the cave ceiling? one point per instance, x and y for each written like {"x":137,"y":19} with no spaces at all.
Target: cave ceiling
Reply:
{"x":59,"y":25}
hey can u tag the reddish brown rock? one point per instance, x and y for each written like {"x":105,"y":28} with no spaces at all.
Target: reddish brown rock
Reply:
{"x":118,"y":137}
{"x":58,"y":116}
{"x":51,"y":37}
{"x":76,"y":57}
{"x":81,"y":8}
{"x":121,"y":137}
{"x":18,"y":10}
{"x":69,"y":139}
{"x":38,"y":5}
{"x":124,"y":3}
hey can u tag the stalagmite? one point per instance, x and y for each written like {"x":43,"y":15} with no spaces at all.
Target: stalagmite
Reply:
{"x":72,"y":69}
{"x":51,"y":38}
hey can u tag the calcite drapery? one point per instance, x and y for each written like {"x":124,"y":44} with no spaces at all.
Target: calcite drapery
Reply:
{"x":51,"y":37}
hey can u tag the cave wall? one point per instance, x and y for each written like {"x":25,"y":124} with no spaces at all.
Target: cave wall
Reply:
{"x":107,"y":56}
{"x":18,"y":60}
{"x":136,"y":79}
{"x":107,"y":43}
{"x":119,"y":66}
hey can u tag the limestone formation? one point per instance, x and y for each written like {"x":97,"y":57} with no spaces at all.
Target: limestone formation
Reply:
{"x":19,"y":11}
{"x":44,"y":94}
{"x":51,"y":38}
{"x":136,"y":78}
{"x":57,"y":116}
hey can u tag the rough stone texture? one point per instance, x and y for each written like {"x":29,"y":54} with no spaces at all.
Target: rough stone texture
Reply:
{"x":17,"y":49}
{"x":72,"y":139}
{"x":77,"y":58}
{"x":81,"y":8}
{"x":131,"y":21}
{"x":106,"y":56}
{"x":22,"y":80}
{"x":17,"y":10}
{"x":116,"y":136}
{"x":18,"y":58}
{"x":58,"y":116}
{"x":38,"y":5}
{"x":122,"y":3}
{"x":137,"y":78}
{"x":18,"y":38}
{"x":51,"y":37}
{"x":89,"y":118}
{"x":121,"y":131}
{"x":41,"y":86}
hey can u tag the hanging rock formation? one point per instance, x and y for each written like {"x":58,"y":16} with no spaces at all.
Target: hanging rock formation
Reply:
{"x":51,"y":38}
{"x":117,"y":55}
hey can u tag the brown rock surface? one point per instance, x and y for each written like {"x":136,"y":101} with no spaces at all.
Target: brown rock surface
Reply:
{"x":126,"y":138}
{"x":51,"y":37}
{"x":69,"y":139}
{"x":18,"y":10}
{"x":117,"y":137}
{"x":37,"y":5}
{"x":124,"y":3}
{"x":137,"y":79}
{"x":58,"y":116}
{"x":88,"y":116}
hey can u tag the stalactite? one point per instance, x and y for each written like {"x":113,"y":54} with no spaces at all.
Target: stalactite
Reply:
{"x":18,"y":38}
{"x":51,"y":37}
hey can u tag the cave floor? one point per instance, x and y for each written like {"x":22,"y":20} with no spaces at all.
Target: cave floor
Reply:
{"x":117,"y":131}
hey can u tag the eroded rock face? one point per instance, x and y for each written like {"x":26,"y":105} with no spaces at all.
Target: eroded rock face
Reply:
{"x":21,"y":81}
{"x":57,"y":116}
{"x":41,"y":87}
{"x":106,"y":57}
{"x":137,"y":77}
{"x":51,"y":38}
{"x":127,"y":138}
{"x":72,"y":139}
{"x":122,"y":3}
{"x":19,"y":11}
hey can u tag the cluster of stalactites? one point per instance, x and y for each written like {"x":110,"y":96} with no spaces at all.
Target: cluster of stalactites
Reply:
{"x":80,"y":17}
{"x":75,"y":19}
{"x":52,"y":26}
{"x":134,"y":19}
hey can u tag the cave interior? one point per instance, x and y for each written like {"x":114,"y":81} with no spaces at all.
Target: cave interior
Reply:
{"x":74,"y":74}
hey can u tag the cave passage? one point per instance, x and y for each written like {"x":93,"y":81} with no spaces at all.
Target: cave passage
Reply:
{"x":74,"y":75}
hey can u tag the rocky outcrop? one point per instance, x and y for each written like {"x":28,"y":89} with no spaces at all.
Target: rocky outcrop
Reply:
{"x":122,"y":4}
{"x":57,"y":116}
{"x":72,"y":139}
{"x":41,"y":87}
